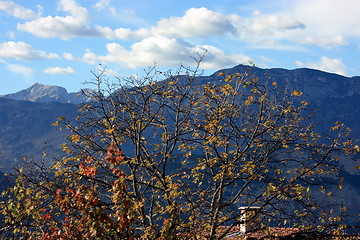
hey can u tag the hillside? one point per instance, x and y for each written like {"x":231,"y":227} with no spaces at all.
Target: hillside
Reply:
{"x":26,"y":129}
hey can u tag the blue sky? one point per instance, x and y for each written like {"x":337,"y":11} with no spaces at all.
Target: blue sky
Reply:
{"x":60,"y":42}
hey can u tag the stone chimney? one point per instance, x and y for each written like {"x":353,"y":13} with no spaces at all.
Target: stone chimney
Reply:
{"x":249,"y":219}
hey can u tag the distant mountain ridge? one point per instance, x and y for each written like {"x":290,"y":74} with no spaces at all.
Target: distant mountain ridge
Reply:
{"x":47,"y":93}
{"x":309,"y":81}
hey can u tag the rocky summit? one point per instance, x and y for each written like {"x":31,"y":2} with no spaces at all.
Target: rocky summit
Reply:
{"x":46,"y":93}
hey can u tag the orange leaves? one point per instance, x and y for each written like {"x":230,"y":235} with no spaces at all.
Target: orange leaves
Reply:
{"x":110,"y":131}
{"x":296,"y":93}
{"x":89,"y":171}
{"x":337,"y":126}
{"x":249,"y":100}
{"x":58,"y":192}
{"x":114,"y":154}
{"x":74,"y":138}
{"x":47,"y":216}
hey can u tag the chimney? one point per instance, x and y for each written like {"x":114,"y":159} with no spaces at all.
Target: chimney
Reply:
{"x":249,"y":219}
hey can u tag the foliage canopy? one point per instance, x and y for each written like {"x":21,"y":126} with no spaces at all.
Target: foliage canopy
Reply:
{"x":176,"y":158}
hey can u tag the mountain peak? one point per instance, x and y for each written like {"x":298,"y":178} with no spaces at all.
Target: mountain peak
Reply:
{"x":47,"y":93}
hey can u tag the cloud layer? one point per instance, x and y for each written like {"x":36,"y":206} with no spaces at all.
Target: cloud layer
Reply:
{"x":294,"y":26}
{"x":327,"y":64}
{"x":17,"y":10}
{"x":72,"y":25}
{"x":59,"y":70}
{"x":23,"y":51}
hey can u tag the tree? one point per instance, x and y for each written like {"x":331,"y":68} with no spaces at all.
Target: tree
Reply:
{"x":176,"y":158}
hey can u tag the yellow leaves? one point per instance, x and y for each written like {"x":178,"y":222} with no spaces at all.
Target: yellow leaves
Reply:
{"x":212,"y":139}
{"x":270,"y":189}
{"x":227,"y":89}
{"x":249,"y":100}
{"x":356,"y":148}
{"x":55,"y":124}
{"x":337,"y":126}
{"x":65,"y":148}
{"x":84,"y":107}
{"x":287,"y":110}
{"x":109,"y":131}
{"x":228,"y":78}
{"x":220,"y":74}
{"x":218,"y":176}
{"x":304,"y":103}
{"x":296,"y":93}
{"x":74,"y":138}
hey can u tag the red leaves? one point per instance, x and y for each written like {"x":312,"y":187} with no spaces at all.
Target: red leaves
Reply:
{"x":89,"y":171}
{"x":114,"y":154}
{"x":46,"y":216}
{"x":58,"y":192}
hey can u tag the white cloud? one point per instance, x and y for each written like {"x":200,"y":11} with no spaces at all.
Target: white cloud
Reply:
{"x":164,"y":51}
{"x":328,"y":43}
{"x":269,"y":24}
{"x":22,"y":70}
{"x":67,"y":27}
{"x":17,"y":10}
{"x":202,"y":22}
{"x":267,"y":30}
{"x":90,"y":57}
{"x":23,"y":51}
{"x":101,"y":5}
{"x":261,"y":30}
{"x":327,"y":18}
{"x":327,"y":64}
{"x":69,"y":56}
{"x":74,"y":9}
{"x":197,"y":22}
{"x":59,"y":70}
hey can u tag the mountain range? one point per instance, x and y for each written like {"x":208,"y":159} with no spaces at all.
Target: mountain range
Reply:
{"x":26,"y":117}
